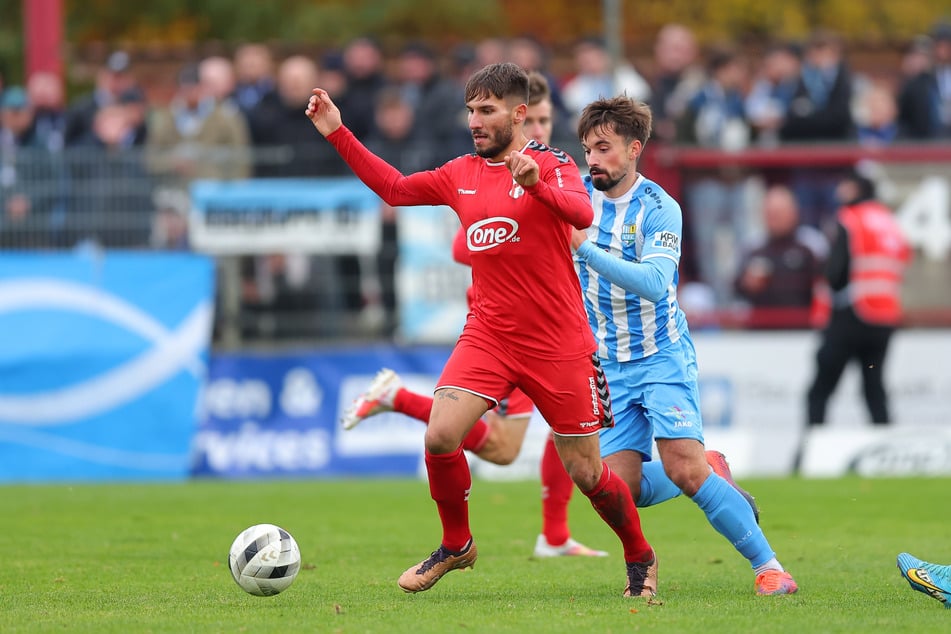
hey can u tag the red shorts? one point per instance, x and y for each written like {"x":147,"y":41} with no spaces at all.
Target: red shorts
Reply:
{"x":516,"y":404}
{"x":572,"y":395}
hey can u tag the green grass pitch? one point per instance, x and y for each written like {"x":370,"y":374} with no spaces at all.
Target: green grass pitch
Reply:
{"x":153,"y":558}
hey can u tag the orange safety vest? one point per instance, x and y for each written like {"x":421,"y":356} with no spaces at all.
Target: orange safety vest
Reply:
{"x":878,"y":255}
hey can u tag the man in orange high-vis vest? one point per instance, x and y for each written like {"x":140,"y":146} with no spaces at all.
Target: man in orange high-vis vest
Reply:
{"x":865,"y":268}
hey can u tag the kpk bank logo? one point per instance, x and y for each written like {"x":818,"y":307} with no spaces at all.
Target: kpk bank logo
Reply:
{"x":491,"y":232}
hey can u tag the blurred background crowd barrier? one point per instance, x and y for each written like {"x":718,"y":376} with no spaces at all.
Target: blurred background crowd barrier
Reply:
{"x":173,"y":231}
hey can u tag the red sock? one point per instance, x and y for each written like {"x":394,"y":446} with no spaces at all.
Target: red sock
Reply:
{"x":417,"y":406}
{"x":449,"y":485}
{"x":556,"y":493}
{"x":475,"y":439}
{"x":611,"y":498}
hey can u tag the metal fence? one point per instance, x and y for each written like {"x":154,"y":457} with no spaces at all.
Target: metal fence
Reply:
{"x":130,"y":199}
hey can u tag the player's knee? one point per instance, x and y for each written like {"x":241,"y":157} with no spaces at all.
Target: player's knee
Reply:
{"x":584,"y":475}
{"x":440,"y":441}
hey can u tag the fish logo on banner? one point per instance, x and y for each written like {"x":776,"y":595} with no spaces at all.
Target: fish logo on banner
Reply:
{"x":171,"y":351}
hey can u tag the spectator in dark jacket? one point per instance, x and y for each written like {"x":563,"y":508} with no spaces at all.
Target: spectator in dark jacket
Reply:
{"x":919,"y":104}
{"x":778,"y":277}
{"x":820,"y":108}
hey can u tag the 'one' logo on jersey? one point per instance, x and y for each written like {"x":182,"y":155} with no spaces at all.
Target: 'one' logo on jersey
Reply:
{"x":667,"y":240}
{"x":491,"y":232}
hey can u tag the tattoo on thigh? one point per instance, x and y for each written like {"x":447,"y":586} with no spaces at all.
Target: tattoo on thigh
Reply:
{"x":447,"y":394}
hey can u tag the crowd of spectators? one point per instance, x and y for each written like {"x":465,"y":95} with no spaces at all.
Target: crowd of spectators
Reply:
{"x":113,"y":167}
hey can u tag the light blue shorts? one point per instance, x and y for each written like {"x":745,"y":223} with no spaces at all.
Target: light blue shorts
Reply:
{"x":654,"y":397}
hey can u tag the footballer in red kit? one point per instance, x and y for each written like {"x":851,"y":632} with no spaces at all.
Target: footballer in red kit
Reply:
{"x":518,"y":202}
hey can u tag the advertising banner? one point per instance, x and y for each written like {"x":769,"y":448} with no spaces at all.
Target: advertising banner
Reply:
{"x":102,"y":356}
{"x":431,"y":286}
{"x":328,"y":216}
{"x":277,"y":415}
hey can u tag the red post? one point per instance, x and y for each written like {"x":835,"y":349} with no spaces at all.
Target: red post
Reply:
{"x":43,"y":26}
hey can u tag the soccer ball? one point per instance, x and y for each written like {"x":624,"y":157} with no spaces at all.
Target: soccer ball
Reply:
{"x":264,"y":560}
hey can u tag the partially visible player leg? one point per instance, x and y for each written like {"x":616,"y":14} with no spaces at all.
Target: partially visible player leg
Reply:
{"x":612,"y":499}
{"x":449,"y":483}
{"x":387,"y":394}
{"x":556,"y":540}
{"x":726,"y":510}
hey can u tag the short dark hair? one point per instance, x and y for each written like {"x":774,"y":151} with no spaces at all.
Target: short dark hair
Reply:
{"x":502,"y":81}
{"x":622,"y":115}
{"x":538,"y":89}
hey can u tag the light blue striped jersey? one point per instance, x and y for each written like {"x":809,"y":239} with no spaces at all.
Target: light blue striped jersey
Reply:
{"x":642,"y":224}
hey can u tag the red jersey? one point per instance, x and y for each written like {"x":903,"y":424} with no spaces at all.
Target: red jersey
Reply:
{"x":525,"y":291}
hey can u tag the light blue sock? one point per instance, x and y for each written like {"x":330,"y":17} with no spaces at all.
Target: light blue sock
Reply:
{"x":656,"y":487}
{"x":732,"y":517}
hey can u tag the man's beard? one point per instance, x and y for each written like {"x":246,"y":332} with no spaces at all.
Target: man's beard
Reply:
{"x":605,"y":185}
{"x":502,"y":140}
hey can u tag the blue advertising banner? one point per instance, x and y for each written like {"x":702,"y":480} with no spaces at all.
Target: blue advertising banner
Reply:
{"x":277,"y":415}
{"x":101,"y":359}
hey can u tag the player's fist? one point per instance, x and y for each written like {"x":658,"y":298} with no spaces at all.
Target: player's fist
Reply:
{"x":322,"y":112}
{"x":523,"y":167}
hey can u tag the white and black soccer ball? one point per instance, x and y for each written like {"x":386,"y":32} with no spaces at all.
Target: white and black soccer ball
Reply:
{"x":264,"y":560}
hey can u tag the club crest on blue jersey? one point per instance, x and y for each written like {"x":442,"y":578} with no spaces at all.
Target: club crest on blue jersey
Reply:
{"x":628,"y":233}
{"x":667,"y":240}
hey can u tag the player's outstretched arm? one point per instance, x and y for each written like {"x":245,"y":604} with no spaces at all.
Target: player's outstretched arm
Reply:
{"x":323,"y":113}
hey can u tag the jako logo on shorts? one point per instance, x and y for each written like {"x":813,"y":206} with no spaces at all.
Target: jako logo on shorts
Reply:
{"x":491,"y":232}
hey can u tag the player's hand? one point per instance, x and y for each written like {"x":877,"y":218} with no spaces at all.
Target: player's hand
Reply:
{"x":322,"y":112}
{"x":523,"y":167}
{"x":577,"y":237}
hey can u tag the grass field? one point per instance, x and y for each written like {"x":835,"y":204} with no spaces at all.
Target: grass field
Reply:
{"x":153,"y":558}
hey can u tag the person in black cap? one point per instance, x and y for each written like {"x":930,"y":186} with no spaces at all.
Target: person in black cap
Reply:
{"x":112,"y":79}
{"x":864,"y":271}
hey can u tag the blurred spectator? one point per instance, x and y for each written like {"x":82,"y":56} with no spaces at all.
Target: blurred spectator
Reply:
{"x":528,"y":53}
{"x":26,"y":191}
{"x":941,"y":34}
{"x":284,"y":141}
{"x":491,"y":50}
{"x":217,"y":74}
{"x":281,"y":292}
{"x":45,"y":92}
{"x":254,"y":72}
{"x":333,"y":76}
{"x":194,"y":137}
{"x":677,"y":77}
{"x":363,"y":69}
{"x":594,"y":78}
{"x":716,"y":114}
{"x":438,"y":117}
{"x":778,"y":276}
{"x":112,"y":79}
{"x":772,"y":92}
{"x":393,"y":141}
{"x":820,"y":109}
{"x":919,"y":104}
{"x":292,"y":288}
{"x":136,"y":108}
{"x":716,"y":200}
{"x":876,"y":116}
{"x":110,"y":189}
